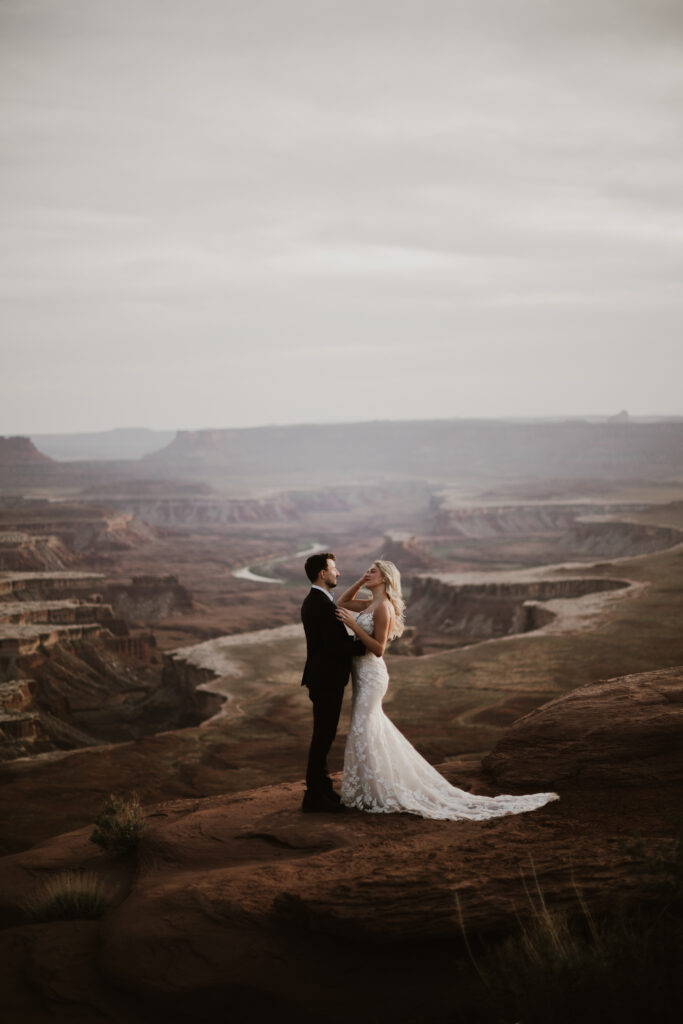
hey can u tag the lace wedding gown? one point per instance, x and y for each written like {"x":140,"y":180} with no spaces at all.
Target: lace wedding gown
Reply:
{"x":384,"y":773}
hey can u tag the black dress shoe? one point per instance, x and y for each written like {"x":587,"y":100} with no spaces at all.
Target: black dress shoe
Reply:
{"x":321,"y":803}
{"x":332,"y":795}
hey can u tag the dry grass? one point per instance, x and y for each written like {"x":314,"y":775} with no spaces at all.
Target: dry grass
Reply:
{"x":68,"y":896}
{"x":563,"y":967}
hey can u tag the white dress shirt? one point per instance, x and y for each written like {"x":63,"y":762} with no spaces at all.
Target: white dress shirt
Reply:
{"x":314,"y":586}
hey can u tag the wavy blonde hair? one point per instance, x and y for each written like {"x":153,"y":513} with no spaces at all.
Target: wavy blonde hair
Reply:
{"x":392,"y":585}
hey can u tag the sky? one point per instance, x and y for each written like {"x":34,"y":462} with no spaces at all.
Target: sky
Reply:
{"x":219,"y":213}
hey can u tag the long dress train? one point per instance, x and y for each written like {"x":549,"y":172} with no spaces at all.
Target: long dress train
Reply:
{"x":383,"y":772}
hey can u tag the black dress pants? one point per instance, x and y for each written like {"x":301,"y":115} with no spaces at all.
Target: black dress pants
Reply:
{"x":327,"y":702}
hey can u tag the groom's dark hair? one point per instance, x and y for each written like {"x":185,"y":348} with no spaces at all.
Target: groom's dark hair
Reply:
{"x":316,"y":563}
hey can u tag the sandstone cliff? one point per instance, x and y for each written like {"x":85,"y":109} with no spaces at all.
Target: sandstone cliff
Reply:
{"x":17,"y":450}
{"x":621,"y":732}
{"x":84,"y":679}
{"x":405,"y":552}
{"x":86,"y":530}
{"x":572,"y":532}
{"x":437,"y":450}
{"x":244,"y":902}
{"x":451,"y":613}
{"x":33,"y":552}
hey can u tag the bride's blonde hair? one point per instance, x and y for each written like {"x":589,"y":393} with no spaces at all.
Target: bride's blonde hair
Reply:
{"x":392,"y":586}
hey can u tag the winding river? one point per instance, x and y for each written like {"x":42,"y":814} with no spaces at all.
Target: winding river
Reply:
{"x":245,"y":573}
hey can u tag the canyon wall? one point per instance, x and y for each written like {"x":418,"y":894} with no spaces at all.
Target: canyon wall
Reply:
{"x":33,"y":552}
{"x":71,"y":673}
{"x":198,"y":510}
{"x":481,"y":522}
{"x":440,"y":449}
{"x":568,"y":532}
{"x":470,"y":613}
{"x":148,"y":598}
{"x":15,"y":451}
{"x":81,"y":529}
{"x":478,"y":451}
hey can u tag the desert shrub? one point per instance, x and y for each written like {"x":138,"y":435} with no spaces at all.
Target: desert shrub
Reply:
{"x":564,"y":967}
{"x":70,"y":895}
{"x":119,"y":826}
{"x":624,"y":967}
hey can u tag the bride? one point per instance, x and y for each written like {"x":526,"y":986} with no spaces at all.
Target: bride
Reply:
{"x":383,"y":772}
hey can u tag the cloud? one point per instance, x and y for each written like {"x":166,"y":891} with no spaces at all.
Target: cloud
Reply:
{"x":226,"y":182}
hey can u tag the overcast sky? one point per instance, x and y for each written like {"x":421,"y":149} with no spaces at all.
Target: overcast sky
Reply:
{"x":239,"y":212}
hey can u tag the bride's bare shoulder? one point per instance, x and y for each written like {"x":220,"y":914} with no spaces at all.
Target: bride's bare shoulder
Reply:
{"x":385,"y":610}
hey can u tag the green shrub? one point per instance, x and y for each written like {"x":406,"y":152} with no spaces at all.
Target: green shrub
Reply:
{"x":119,"y":826}
{"x":68,"y":896}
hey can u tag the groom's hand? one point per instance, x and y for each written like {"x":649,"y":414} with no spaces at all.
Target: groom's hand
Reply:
{"x":346,"y":617}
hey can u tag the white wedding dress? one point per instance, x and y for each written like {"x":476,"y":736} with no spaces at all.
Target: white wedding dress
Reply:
{"x":383,"y":772}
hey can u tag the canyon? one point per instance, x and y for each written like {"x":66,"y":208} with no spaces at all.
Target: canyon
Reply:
{"x":481,"y":453}
{"x":128,"y":655}
{"x":140,"y":652}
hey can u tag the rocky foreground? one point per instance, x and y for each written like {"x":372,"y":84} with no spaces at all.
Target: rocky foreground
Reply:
{"x":241,"y":907}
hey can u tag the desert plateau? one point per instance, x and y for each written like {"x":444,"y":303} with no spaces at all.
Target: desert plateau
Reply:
{"x":151,"y":648}
{"x":400,"y":282}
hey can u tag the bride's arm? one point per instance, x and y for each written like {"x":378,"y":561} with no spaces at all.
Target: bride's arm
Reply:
{"x":347,"y":598}
{"x":382,"y":621}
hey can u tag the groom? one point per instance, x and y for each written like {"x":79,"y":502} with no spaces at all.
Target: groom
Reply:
{"x":329,"y":650}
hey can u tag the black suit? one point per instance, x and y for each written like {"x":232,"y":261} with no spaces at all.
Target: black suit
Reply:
{"x":329,"y":650}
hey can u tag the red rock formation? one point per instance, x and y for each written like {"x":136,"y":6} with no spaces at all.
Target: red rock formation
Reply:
{"x":572,"y":531}
{"x":46,"y":586}
{"x":624,"y":731}
{"x":148,"y":597}
{"x":406,"y":553}
{"x":90,"y":679}
{"x":17,"y":450}
{"x":469,"y":612}
{"x":19,"y":725}
{"x":496,"y":520}
{"x":85,"y":529}
{"x":24,"y":552}
{"x":436,"y":450}
{"x":15,"y":695}
{"x":232,"y":894}
{"x":141,"y":648}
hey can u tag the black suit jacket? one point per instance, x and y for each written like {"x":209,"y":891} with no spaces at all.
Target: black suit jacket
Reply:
{"x":329,"y":648}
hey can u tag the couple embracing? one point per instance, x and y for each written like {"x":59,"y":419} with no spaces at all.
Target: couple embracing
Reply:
{"x":383,"y":773}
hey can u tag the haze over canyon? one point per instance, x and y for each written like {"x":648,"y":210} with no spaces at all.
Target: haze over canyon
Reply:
{"x":396,"y":280}
{"x":150,"y":642}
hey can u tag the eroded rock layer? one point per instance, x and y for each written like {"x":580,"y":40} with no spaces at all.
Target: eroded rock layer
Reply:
{"x":232,"y":895}
{"x":467,"y":612}
{"x":619,"y":732}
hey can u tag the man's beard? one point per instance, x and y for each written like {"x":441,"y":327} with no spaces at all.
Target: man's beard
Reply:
{"x":333,"y":583}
